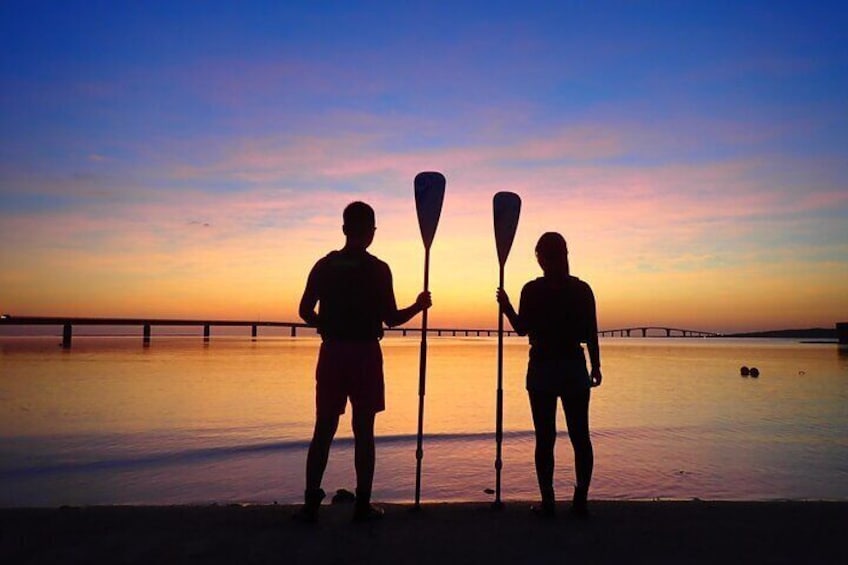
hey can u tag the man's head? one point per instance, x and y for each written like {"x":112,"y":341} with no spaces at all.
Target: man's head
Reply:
{"x":359,"y":224}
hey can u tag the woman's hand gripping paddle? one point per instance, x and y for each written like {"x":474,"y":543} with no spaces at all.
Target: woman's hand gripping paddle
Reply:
{"x":507,"y":208}
{"x":429,"y":195}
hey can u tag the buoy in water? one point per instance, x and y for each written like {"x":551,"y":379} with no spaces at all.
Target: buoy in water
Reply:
{"x":744,"y":371}
{"x":755,"y":372}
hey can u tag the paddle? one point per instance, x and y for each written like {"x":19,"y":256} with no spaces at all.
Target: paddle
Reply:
{"x":507,"y":208}
{"x":429,"y":195}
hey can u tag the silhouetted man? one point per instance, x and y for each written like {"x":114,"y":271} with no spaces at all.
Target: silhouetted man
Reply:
{"x":355,"y":297}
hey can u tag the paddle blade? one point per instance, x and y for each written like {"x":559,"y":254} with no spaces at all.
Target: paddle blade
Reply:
{"x":429,"y":195}
{"x":507,"y":208}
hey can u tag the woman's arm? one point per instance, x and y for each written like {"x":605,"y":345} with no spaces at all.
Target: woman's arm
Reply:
{"x":514,"y":319}
{"x":592,"y":338}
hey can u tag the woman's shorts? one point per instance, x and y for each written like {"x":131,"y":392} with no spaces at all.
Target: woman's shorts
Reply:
{"x":558,"y":376}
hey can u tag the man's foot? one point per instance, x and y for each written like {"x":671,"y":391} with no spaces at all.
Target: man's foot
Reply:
{"x":368,"y":513}
{"x":580,"y":512}
{"x":308,"y":513}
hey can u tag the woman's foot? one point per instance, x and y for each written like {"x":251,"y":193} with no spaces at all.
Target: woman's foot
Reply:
{"x":580,"y":503}
{"x":546,"y":510}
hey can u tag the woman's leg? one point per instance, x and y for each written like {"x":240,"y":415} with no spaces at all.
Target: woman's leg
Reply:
{"x":576,"y":407}
{"x":543,"y":407}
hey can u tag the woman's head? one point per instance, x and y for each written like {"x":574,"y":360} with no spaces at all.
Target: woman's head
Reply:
{"x":552,"y":253}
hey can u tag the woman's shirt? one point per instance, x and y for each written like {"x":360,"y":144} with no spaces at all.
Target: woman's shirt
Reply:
{"x":558,"y":315}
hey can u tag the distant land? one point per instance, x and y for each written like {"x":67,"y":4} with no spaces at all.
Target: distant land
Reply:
{"x":12,"y":325}
{"x":11,"y":330}
{"x":809,"y":333}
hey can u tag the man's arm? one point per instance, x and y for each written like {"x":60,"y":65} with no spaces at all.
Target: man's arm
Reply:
{"x":310,"y":299}
{"x":391,"y":315}
{"x":398,"y":317}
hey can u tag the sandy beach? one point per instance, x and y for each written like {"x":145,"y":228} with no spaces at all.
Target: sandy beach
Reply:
{"x":618,"y":532}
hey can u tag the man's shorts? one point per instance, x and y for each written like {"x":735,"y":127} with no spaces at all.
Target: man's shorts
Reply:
{"x":349,"y":369}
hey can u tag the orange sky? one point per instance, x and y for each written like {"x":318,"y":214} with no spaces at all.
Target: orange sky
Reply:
{"x":150,"y":262}
{"x":694,"y":160}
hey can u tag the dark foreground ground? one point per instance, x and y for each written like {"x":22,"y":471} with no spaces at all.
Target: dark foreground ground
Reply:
{"x":618,"y":532}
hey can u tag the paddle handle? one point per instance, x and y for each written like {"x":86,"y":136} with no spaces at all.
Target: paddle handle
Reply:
{"x":499,"y":400}
{"x":422,"y":372}
{"x":426,"y":289}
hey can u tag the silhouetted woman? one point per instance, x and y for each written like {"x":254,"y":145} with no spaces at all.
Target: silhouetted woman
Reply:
{"x":557,"y":312}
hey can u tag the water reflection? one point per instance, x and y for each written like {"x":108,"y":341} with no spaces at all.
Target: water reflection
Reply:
{"x":229,"y":422}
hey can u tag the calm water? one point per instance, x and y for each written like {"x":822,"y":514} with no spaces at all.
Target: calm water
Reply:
{"x":182,"y":422}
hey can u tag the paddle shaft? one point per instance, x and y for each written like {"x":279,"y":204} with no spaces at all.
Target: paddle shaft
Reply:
{"x":499,"y":407}
{"x":422,"y":374}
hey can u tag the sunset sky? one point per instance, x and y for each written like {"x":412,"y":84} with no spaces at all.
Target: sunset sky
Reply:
{"x":194,"y":161}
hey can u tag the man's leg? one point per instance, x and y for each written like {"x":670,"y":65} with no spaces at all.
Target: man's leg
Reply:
{"x":364,"y":460}
{"x":316,"y":463}
{"x":319,"y":450}
{"x":367,"y":399}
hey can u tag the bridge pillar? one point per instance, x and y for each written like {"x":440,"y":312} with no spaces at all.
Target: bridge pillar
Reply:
{"x":145,"y":340}
{"x":253,"y":332}
{"x":207,"y":332}
{"x":67,"y":332}
{"x":628,"y":333}
{"x":644,"y":332}
{"x":842,"y":333}
{"x":294,"y":331}
{"x":668,"y":332}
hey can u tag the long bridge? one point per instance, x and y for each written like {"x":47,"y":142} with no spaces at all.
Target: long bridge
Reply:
{"x":642,"y":331}
{"x":67,"y":324}
{"x":147,"y":324}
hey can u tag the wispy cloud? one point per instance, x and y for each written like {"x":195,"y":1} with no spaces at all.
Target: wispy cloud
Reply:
{"x":696,"y":170}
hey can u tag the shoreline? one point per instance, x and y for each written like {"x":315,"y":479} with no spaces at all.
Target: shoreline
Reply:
{"x":467,"y":532}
